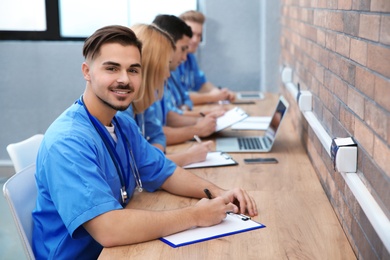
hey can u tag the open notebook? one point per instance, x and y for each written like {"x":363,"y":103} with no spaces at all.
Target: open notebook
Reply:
{"x":262,"y":143}
{"x":232,"y":224}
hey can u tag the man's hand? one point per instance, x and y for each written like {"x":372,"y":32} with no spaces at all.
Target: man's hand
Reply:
{"x":242,"y":200}
{"x":211,"y":212}
{"x":206,"y":126}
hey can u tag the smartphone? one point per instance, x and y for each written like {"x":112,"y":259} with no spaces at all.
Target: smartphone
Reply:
{"x":260,"y":160}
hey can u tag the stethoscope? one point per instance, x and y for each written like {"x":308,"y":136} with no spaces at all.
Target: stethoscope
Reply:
{"x":114,"y":155}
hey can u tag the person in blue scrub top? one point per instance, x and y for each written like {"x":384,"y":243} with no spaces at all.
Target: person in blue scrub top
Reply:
{"x":157,"y":51}
{"x":92,"y":159}
{"x":193,"y":79}
{"x":177,"y":125}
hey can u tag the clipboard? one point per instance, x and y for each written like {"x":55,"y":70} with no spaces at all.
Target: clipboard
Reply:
{"x":231,"y":117}
{"x":232,"y":224}
{"x":213,"y":159}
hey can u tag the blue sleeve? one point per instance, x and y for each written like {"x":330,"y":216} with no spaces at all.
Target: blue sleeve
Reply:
{"x":170,"y":101}
{"x":153,"y":127}
{"x":179,"y":90}
{"x":192,"y":77}
{"x":149,"y":124}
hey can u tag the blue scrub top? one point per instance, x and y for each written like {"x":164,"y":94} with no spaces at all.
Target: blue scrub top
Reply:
{"x":179,"y":92}
{"x":149,"y":125}
{"x":77,"y":181}
{"x":192,"y":77}
{"x":168,"y":102}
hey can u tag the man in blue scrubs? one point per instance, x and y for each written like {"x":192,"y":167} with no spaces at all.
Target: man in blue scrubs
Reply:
{"x":92,"y":160}
{"x":178,"y":125}
{"x":193,"y":79}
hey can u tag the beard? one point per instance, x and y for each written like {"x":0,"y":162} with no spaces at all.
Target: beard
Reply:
{"x":119,"y":107}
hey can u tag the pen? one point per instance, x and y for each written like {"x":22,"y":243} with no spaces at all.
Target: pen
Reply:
{"x":208,"y":193}
{"x":197,"y":139}
{"x":241,"y":216}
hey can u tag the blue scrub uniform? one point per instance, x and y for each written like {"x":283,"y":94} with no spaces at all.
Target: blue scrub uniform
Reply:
{"x":149,"y":125}
{"x":192,"y":77}
{"x":168,"y":102}
{"x":77,"y":181}
{"x":179,"y":92}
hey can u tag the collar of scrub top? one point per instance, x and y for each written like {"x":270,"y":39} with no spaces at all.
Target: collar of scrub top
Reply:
{"x":113,"y":154}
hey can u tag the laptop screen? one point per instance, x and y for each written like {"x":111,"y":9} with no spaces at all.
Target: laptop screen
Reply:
{"x":276,"y":119}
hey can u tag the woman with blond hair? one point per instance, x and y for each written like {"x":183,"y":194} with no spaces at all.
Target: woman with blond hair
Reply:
{"x":157,"y":51}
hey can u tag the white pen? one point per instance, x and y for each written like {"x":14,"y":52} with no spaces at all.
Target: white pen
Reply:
{"x":197,"y":139}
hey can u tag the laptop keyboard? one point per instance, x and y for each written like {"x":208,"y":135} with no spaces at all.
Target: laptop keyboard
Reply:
{"x":249,"y":143}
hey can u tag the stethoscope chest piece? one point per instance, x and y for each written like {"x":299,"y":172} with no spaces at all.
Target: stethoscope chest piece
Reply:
{"x":124,"y":195}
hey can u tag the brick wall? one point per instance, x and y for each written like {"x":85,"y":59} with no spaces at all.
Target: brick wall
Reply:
{"x":340,"y":51}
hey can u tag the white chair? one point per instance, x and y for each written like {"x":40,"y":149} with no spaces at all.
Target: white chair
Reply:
{"x":24,"y":153}
{"x":20,"y":191}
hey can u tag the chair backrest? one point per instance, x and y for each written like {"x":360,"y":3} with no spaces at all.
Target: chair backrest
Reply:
{"x":20,"y":191}
{"x":24,"y":153}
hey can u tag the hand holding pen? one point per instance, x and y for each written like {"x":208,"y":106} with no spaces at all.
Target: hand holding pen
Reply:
{"x":241,"y":216}
{"x":245,"y":203}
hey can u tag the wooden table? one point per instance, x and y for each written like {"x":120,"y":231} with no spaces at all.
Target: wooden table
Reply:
{"x":300,"y":222}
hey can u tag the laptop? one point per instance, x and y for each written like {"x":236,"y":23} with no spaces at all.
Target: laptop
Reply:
{"x":252,"y":144}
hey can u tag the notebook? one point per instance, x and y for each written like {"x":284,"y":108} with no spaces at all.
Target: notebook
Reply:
{"x":231,"y":117}
{"x":233,"y":224}
{"x":261,"y":143}
{"x":213,"y":159}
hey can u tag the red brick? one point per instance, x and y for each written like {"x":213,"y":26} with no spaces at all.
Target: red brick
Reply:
{"x":365,"y":81}
{"x":340,"y":88}
{"x":382,"y":92}
{"x":369,"y":26}
{"x":376,"y":119}
{"x":320,"y":18}
{"x":351,"y":23}
{"x":378,"y":59}
{"x":363,"y":5}
{"x":321,"y":36}
{"x":388,"y":131}
{"x":345,"y":4}
{"x":347,"y":71}
{"x":347,"y":119}
{"x":382,"y":155}
{"x":331,"y":41}
{"x":335,"y":21}
{"x":385,"y":30}
{"x":358,"y":51}
{"x":343,"y":45}
{"x":322,"y":3}
{"x":323,"y":57}
{"x":356,"y":102}
{"x":380,"y":6}
{"x":332,"y":4}
{"x":319,"y":74}
{"x":364,"y":136}
{"x":334,"y":62}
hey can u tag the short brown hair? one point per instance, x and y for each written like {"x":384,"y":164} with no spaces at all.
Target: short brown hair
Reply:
{"x":109,"y":34}
{"x":193,"y":16}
